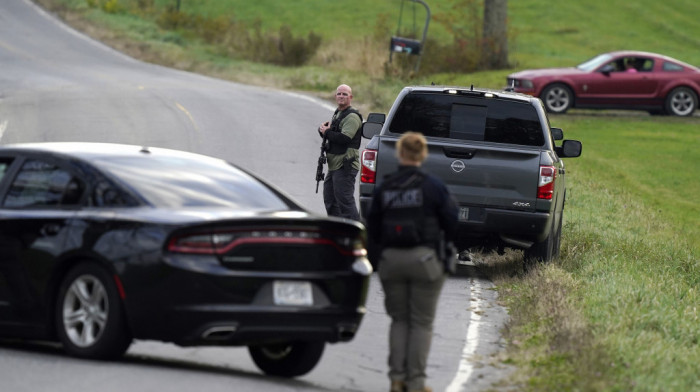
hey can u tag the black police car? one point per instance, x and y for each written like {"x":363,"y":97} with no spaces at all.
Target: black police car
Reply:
{"x":102,"y":243}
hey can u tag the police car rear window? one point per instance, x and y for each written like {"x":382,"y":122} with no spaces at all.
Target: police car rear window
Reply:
{"x":469,"y":118}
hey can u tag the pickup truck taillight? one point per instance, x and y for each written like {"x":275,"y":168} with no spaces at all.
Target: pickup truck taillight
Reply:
{"x":369,"y":166}
{"x":545,"y":186}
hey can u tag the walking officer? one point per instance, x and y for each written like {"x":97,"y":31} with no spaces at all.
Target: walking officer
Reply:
{"x":411,"y":215}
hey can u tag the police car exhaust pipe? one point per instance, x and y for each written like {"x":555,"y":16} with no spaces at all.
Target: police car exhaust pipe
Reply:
{"x":219,"y":333}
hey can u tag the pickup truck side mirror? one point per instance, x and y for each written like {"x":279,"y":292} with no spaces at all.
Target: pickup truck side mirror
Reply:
{"x":569,"y":149}
{"x":374,"y":124}
{"x":370,"y":129}
{"x":376,"y":118}
{"x":557,"y":133}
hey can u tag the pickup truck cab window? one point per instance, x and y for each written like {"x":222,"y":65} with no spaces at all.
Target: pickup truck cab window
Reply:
{"x":468,"y":118}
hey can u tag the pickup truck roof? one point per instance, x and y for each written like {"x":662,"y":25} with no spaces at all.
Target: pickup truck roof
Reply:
{"x":473,"y":90}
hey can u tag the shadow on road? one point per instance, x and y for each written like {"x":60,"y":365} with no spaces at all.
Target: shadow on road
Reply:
{"x":141,"y":361}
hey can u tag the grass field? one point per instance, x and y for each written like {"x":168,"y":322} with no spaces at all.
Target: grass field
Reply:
{"x":543,"y":33}
{"x":619,"y":310}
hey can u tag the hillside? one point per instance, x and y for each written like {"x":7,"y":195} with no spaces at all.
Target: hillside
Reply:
{"x":543,"y":33}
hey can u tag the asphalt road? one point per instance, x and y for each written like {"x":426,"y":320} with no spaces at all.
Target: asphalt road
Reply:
{"x":57,"y":85}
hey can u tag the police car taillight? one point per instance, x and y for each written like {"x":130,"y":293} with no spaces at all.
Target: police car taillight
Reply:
{"x":545,"y":187}
{"x":369,"y":166}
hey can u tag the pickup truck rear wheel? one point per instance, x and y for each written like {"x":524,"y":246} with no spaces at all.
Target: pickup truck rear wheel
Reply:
{"x":545,"y":250}
{"x":557,"y":240}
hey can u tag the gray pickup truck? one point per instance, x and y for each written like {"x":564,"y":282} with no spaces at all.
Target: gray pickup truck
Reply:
{"x":496,"y":152}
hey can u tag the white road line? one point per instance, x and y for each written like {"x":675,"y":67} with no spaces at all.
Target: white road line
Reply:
{"x":311,"y":99}
{"x":3,"y":127}
{"x":465,"y":367}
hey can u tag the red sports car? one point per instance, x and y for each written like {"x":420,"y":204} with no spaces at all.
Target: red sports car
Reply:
{"x":616,"y":80}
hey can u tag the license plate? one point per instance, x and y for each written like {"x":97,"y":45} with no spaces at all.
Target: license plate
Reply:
{"x":463,"y":214}
{"x":294,"y":293}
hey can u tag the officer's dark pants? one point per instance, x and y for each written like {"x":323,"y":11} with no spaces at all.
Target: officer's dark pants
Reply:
{"x":339,"y":193}
{"x":412,"y":279}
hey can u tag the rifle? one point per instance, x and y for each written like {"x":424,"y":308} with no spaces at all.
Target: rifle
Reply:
{"x":320,"y":176}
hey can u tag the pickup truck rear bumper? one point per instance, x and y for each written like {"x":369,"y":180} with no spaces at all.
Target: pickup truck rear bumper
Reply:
{"x":519,"y":228}
{"x":516,"y":228}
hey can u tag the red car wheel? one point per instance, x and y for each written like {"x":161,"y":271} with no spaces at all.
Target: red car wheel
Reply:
{"x":557,"y":98}
{"x":682,"y":101}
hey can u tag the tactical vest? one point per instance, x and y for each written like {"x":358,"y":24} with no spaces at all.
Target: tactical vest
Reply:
{"x":336,"y":148}
{"x":404,"y":221}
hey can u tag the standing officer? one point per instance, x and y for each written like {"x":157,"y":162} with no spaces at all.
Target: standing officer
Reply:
{"x":343,"y":156}
{"x":411,"y":215}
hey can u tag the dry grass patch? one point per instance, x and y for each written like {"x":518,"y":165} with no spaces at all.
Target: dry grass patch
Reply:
{"x":550,"y":340}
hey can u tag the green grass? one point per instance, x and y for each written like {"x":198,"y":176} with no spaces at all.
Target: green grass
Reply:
{"x":653,"y":158}
{"x":561,"y":34}
{"x":355,"y":38}
{"x":330,"y":19}
{"x":542,"y":33}
{"x":619,"y":310}
{"x":568,"y":32}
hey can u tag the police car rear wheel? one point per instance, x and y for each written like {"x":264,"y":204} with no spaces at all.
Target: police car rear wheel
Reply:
{"x":287,"y":359}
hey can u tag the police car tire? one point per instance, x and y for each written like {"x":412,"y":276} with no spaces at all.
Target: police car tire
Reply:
{"x":107,"y":336}
{"x":287,"y":359}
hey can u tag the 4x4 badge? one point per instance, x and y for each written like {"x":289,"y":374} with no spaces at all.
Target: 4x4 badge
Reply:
{"x":457,"y":166}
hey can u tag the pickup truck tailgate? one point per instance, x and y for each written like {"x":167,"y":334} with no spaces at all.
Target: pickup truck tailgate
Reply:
{"x":478,"y":175}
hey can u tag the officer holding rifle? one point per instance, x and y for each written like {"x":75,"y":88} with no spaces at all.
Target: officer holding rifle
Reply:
{"x":342,"y":138}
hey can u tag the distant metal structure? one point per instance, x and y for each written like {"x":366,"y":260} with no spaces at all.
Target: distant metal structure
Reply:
{"x":410,"y":45}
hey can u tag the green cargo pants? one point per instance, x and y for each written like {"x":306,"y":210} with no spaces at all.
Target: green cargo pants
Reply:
{"x":412,"y":280}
